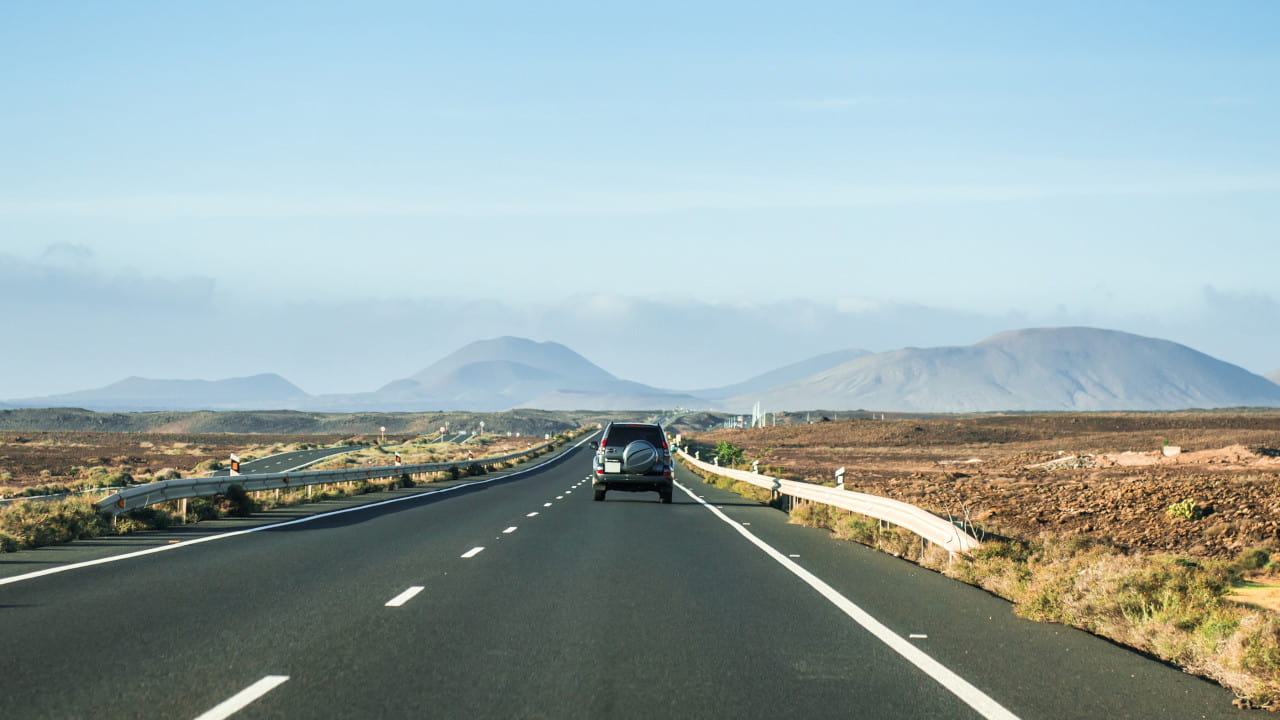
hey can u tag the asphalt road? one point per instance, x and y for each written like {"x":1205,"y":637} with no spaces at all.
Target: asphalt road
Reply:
{"x":521,"y":597}
{"x":288,"y":462}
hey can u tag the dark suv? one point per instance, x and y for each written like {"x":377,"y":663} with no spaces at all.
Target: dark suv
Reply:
{"x":632,"y":457}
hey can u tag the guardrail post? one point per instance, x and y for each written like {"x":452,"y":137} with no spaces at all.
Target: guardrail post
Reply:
{"x":182,"y":511}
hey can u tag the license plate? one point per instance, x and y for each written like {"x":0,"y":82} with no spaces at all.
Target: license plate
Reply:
{"x":612,"y":466}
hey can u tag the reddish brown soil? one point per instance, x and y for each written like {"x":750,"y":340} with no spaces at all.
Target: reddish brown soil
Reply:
{"x":1107,"y":475}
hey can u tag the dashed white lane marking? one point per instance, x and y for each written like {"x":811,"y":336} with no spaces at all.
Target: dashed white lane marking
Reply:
{"x":568,"y":492}
{"x":509,"y":530}
{"x":405,"y":596}
{"x":473,"y":552}
{"x":958,"y":686}
{"x":559,"y":497}
{"x":546,"y":504}
{"x":794,"y":556}
{"x":917,"y":636}
{"x":532,"y":514}
{"x":241,"y":700}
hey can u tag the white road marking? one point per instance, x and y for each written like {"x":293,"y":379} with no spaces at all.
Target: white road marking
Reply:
{"x":509,"y":530}
{"x":241,"y":700}
{"x":794,"y":556}
{"x":273,"y":526}
{"x":559,"y":497}
{"x":532,"y":514}
{"x":546,"y":504}
{"x":405,"y":596}
{"x":917,"y":636}
{"x":473,"y":552}
{"x":958,"y":686}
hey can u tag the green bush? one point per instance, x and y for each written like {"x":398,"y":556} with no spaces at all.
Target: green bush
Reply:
{"x":1185,"y":510}
{"x":1254,"y":559}
{"x":202,"y":508}
{"x":729,"y":454}
{"x":147,"y":518}
{"x":237,"y":503}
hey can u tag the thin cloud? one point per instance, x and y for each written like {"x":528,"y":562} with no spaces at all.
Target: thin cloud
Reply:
{"x":571,"y":203}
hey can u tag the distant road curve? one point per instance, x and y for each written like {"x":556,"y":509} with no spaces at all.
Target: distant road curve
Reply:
{"x":290,"y":461}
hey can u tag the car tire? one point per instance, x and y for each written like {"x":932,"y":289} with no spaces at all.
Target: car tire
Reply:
{"x":598,"y":494}
{"x":664,"y":497}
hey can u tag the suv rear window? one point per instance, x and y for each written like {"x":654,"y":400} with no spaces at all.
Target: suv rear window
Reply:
{"x":623,"y":435}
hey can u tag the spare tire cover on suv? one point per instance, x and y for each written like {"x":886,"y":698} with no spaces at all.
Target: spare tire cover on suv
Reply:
{"x":639,"y":456}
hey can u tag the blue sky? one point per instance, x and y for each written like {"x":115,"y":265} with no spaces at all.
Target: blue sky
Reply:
{"x":1115,"y":164}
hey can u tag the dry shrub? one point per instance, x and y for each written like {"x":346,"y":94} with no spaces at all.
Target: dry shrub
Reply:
{"x":35,"y":524}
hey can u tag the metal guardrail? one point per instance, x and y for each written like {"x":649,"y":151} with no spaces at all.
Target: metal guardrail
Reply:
{"x":57,"y":496}
{"x":141,"y":496}
{"x":921,"y":522}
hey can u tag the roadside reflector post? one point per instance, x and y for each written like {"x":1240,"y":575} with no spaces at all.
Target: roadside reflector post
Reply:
{"x":755,"y":466}
{"x":840,"y":479}
{"x":235,"y":464}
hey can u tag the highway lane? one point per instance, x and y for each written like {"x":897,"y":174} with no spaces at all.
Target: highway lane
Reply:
{"x":625,"y":608}
{"x":288,"y":462}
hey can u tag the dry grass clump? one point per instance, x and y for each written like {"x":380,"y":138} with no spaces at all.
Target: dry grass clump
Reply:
{"x":34,"y":524}
{"x":1169,"y":606}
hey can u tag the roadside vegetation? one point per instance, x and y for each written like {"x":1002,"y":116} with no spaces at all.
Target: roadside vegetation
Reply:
{"x":37,"y":523}
{"x":1181,"y":609}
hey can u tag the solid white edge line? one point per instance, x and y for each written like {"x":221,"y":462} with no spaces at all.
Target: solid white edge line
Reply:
{"x":473,"y":552}
{"x":241,"y":700}
{"x":287,"y":523}
{"x":405,"y":596}
{"x":958,"y":686}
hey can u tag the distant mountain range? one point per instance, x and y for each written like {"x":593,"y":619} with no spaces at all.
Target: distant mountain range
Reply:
{"x":140,"y":394}
{"x":509,"y":372}
{"x":1273,"y":376}
{"x":1068,"y":369}
{"x":781,"y":376}
{"x":1076,"y":369}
